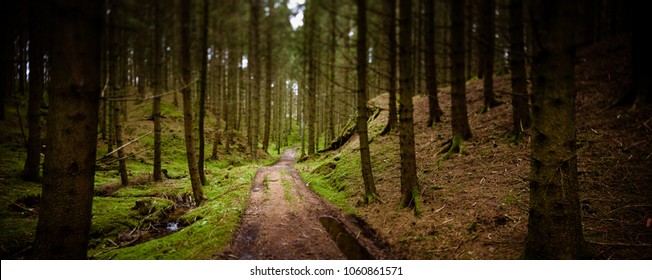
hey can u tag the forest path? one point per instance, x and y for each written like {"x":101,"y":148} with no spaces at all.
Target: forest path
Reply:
{"x":282,"y":220}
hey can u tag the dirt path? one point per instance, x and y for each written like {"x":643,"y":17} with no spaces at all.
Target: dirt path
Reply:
{"x":282,"y":220}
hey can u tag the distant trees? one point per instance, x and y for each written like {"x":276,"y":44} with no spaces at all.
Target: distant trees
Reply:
{"x":64,"y":218}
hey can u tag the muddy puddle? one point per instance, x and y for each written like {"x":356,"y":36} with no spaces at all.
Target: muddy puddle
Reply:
{"x":346,"y":242}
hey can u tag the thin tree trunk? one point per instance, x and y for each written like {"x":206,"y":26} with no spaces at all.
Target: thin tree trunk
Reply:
{"x":117,"y":58}
{"x":520,"y":106}
{"x":554,"y":221}
{"x":202,"y":94}
{"x":312,"y":79}
{"x":434,"y":111}
{"x":64,"y":222}
{"x":459,"y":118}
{"x":331,"y":90}
{"x":487,"y":44}
{"x":157,"y":85}
{"x":269,"y":77}
{"x":255,"y":66}
{"x":409,"y":182}
{"x":392,"y":121}
{"x":186,"y":72}
{"x":38,"y":30}
{"x":470,"y":16}
{"x":122,"y":161}
{"x":365,"y":158}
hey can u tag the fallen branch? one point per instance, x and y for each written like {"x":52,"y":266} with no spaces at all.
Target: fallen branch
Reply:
{"x":20,"y":206}
{"x":117,"y":247}
{"x":620,"y":244}
{"x":125,"y":145}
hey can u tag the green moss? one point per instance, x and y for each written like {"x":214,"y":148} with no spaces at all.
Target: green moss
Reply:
{"x":212,"y":225}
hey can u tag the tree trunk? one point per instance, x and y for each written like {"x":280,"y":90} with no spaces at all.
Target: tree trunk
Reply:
{"x":63,"y":227}
{"x":157,"y":85}
{"x":434,"y":111}
{"x":392,"y":121}
{"x":202,"y":94}
{"x":255,"y":77}
{"x":365,"y":159}
{"x":520,"y":98}
{"x":122,"y":158}
{"x":641,"y":72}
{"x":269,"y":77}
{"x":459,"y":118}
{"x":333,"y":59}
{"x":38,"y":30}
{"x":469,"y":29}
{"x":186,"y":72}
{"x":554,"y":222}
{"x":487,"y":30}
{"x":312,"y":79}
{"x":118,"y":91}
{"x":409,"y":182}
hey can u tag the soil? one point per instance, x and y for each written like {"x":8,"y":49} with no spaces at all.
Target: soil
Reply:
{"x":283,"y":220}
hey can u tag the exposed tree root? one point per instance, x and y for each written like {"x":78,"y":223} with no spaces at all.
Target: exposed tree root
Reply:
{"x":451,"y":146}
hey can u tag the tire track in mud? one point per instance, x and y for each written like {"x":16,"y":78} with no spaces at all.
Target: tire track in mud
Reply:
{"x":282,"y":220}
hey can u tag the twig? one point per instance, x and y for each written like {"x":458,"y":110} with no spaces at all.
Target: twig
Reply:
{"x":628,"y":206}
{"x":620,"y":244}
{"x":20,"y":206}
{"x":146,"y":217}
{"x":117,"y":247}
{"x":125,"y":145}
{"x":446,"y":222}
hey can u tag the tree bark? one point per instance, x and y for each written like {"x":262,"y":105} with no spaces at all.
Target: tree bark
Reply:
{"x":186,"y":72}
{"x":459,"y":118}
{"x":122,"y":159}
{"x":63,"y":227}
{"x":434,"y":111}
{"x":202,"y":94}
{"x":409,"y":182}
{"x":333,"y":60}
{"x":158,"y":89}
{"x":312,"y":79}
{"x":520,"y":99}
{"x":554,"y":222}
{"x":255,"y":77}
{"x":269,"y":77}
{"x":117,"y":57}
{"x":365,"y":159}
{"x":392,"y":121}
{"x":487,"y":30}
